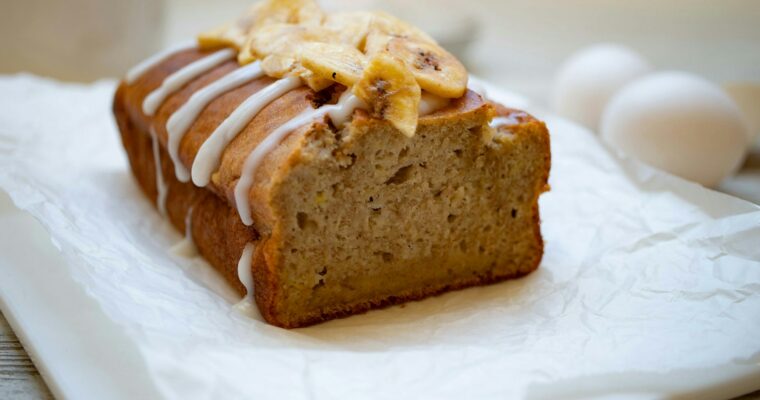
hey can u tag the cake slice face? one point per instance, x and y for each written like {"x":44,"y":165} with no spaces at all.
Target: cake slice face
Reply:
{"x":367,"y":217}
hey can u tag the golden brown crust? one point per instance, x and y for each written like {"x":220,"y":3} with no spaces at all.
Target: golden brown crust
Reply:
{"x":216,"y":227}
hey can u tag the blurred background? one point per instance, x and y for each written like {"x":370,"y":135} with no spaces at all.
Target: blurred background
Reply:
{"x":516,"y":44}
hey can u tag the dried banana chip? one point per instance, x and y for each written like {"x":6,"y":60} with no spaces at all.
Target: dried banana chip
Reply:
{"x":282,"y":41}
{"x":337,"y":62}
{"x":235,"y":34}
{"x":301,"y":12}
{"x":352,"y":27}
{"x":435,"y":69}
{"x":390,"y":25}
{"x":391,"y":91}
{"x":314,"y":81}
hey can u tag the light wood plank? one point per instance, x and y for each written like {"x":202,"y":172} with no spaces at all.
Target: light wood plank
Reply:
{"x":19,"y":378}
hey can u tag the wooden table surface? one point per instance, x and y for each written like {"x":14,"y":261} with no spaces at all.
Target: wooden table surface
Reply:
{"x":19,"y":378}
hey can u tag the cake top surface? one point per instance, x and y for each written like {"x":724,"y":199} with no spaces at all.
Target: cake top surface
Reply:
{"x":384,"y":61}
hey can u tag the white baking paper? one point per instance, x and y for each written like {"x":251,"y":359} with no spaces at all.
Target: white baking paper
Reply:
{"x":649,"y":287}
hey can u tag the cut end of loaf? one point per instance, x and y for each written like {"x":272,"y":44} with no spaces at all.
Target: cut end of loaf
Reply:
{"x":368,"y":217}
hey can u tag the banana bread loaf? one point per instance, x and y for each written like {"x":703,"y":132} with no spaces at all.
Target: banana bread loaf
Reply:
{"x":321,"y":202}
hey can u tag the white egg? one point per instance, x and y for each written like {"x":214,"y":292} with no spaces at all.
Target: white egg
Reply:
{"x":589,"y":78}
{"x":680,"y":123}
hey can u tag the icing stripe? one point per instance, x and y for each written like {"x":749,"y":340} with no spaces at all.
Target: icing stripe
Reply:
{"x":341,"y":112}
{"x":512,"y":119}
{"x":181,"y":77}
{"x":209,"y":155}
{"x":338,"y":113}
{"x":186,"y":247}
{"x":183,"y":118}
{"x":160,"y":184}
{"x":138,"y":70}
{"x":244,"y":269}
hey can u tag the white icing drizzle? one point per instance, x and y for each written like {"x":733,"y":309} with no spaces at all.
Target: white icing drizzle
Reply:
{"x":183,"y":118}
{"x":209,"y":155}
{"x":338,"y":113}
{"x":160,"y":183}
{"x":181,"y":77}
{"x":138,"y":70}
{"x":430,"y":103}
{"x":341,"y":112}
{"x":247,"y":305}
{"x":249,"y":309}
{"x":510,"y":120}
{"x":245,"y":274}
{"x":186,"y":246}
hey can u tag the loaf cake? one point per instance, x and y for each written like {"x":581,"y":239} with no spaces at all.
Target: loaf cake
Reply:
{"x":329,"y":164}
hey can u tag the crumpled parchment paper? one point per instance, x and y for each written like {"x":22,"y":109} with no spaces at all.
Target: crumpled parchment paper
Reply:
{"x":650,"y":285}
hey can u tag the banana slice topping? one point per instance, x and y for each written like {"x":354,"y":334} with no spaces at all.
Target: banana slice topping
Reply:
{"x":391,"y":91}
{"x":384,"y":60}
